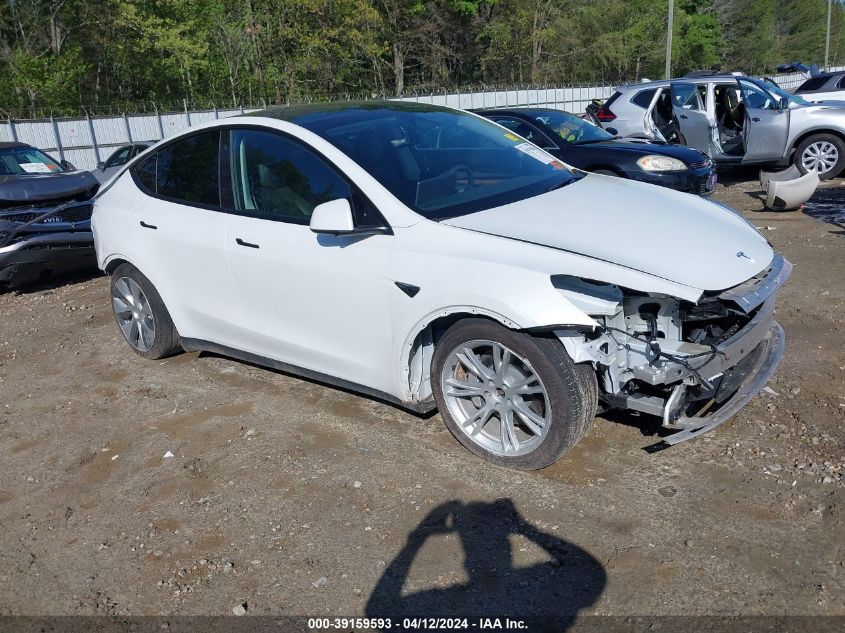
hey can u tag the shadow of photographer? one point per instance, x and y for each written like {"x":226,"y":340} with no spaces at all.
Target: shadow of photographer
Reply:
{"x":554,"y":590}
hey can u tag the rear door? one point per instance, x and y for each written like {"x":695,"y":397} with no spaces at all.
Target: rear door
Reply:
{"x":766,"y":125}
{"x":179,"y":235}
{"x":690,"y":116}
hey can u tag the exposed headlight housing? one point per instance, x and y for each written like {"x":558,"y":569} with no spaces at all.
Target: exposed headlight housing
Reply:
{"x":652,"y":162}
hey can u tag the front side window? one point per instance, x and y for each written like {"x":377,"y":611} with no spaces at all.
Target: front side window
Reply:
{"x":439,"y":162}
{"x":757,"y":98}
{"x":277,"y":178}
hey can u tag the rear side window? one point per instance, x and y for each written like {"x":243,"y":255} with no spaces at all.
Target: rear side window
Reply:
{"x":813,"y":83}
{"x":189,"y":169}
{"x":643,"y":98}
{"x":841,"y":82}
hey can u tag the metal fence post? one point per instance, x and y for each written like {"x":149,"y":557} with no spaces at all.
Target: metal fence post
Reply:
{"x":160,"y":126}
{"x":58,"y":138}
{"x":93,"y":137}
{"x":13,"y":130}
{"x":128,"y":129}
{"x":187,"y":114}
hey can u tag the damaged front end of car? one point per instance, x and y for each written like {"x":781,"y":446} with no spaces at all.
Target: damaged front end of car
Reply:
{"x":694,"y":365}
{"x":40,"y":239}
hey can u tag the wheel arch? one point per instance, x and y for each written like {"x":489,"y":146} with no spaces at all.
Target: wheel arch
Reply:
{"x":808,"y":133}
{"x":418,"y":347}
{"x":112,"y":264}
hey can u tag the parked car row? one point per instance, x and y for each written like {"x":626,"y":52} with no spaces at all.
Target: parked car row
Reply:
{"x":736,"y":120}
{"x":435,"y":258}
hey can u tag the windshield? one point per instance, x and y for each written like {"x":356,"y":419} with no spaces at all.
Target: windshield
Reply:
{"x":16,"y":161}
{"x":441,"y":163}
{"x":571,"y":128}
{"x":783,"y":94}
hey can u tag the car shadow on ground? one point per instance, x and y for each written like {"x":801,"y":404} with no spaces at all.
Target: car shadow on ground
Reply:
{"x":50,"y":281}
{"x":553,"y":591}
{"x":828,"y":205}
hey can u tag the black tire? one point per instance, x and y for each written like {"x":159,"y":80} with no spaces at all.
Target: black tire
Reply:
{"x":571,"y":390}
{"x":834,"y":140}
{"x":166,"y":338}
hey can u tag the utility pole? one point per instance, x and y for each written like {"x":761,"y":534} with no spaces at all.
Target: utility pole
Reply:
{"x":827,"y":39}
{"x":669,"y":38}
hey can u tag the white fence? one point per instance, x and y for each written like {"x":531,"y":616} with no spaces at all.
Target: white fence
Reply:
{"x":85,"y":141}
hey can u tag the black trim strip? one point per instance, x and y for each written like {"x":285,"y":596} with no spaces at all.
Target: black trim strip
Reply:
{"x":198,"y":345}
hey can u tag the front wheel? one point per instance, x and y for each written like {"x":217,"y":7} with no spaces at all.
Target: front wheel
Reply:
{"x":514,"y":399}
{"x":824,"y":153}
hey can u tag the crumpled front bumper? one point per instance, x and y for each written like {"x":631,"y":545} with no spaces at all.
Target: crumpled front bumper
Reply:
{"x":38,"y":254}
{"x":767,"y":355}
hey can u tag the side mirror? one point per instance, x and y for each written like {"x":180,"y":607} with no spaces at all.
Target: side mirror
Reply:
{"x":67,"y":165}
{"x":783,"y":104}
{"x":612,"y":130}
{"x":101,"y":165}
{"x":333,"y":218}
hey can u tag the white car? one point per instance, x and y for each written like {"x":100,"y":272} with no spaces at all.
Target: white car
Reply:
{"x":432,"y":258}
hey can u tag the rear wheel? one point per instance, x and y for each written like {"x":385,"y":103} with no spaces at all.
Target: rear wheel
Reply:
{"x":514,"y":399}
{"x":823,"y":152}
{"x":141,"y":315}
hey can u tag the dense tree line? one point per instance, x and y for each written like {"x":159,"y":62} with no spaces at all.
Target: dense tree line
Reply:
{"x":66,"y":54}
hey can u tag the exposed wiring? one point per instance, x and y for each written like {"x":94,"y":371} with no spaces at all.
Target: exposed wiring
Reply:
{"x":653,"y":345}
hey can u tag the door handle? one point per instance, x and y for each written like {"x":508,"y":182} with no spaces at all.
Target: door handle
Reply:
{"x":240,"y":242}
{"x":755,"y":119}
{"x":684,"y":116}
{"x":148,"y":226}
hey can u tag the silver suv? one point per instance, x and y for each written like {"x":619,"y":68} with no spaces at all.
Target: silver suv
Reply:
{"x":738,"y":120}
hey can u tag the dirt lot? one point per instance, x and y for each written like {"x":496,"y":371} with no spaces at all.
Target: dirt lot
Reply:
{"x":287,"y":497}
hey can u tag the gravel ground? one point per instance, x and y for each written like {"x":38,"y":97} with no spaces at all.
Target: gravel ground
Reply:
{"x":202,"y":485}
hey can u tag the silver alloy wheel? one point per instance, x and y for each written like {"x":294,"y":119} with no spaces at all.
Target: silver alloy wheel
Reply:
{"x":483,"y":381}
{"x":133,"y":312}
{"x":821,"y":156}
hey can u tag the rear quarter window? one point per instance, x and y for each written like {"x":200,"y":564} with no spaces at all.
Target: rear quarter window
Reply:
{"x":643,"y":98}
{"x":814,"y":83}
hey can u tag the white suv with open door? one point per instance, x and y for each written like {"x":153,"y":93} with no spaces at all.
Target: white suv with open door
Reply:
{"x":735,"y":119}
{"x":433,"y":258}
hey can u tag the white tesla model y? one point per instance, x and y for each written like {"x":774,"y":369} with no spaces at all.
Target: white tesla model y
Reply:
{"x":432,"y":258}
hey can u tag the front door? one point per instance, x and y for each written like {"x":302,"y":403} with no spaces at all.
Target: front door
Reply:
{"x":318,"y":302}
{"x":766,"y":125}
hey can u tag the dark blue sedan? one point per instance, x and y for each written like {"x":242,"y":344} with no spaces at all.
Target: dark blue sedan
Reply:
{"x":586,"y":146}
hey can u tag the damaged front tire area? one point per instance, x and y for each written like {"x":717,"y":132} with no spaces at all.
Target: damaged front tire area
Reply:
{"x":512,"y":398}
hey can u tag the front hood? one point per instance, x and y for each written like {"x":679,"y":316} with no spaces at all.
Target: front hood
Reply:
{"x":34,"y":188}
{"x":644,"y":147}
{"x":675,"y":236}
